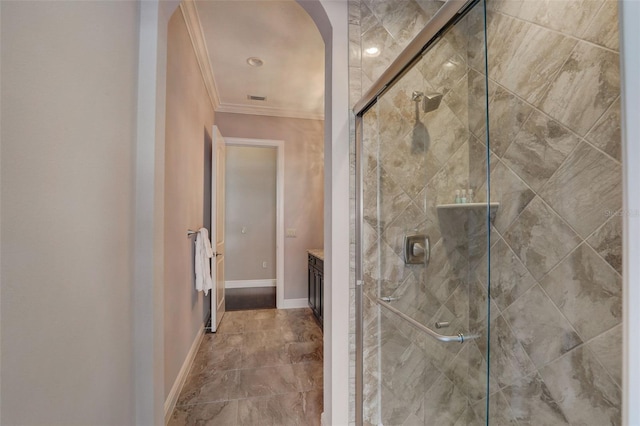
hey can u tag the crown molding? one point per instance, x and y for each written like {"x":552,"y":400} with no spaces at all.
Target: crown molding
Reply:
{"x":192,"y":19}
{"x":270,"y":111}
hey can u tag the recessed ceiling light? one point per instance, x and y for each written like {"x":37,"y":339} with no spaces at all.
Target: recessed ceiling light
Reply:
{"x":372,"y":51}
{"x":255,"y":62}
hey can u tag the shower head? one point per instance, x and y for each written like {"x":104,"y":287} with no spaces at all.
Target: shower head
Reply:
{"x":431,"y":101}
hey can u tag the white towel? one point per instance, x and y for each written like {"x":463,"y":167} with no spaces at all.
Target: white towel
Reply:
{"x":204,"y":252}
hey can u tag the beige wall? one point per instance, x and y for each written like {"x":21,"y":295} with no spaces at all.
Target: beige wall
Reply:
{"x":251,"y":205}
{"x":303,"y":184}
{"x":68,"y":125}
{"x":188,"y":136}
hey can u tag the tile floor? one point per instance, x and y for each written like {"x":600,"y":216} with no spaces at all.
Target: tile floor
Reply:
{"x":262,"y":367}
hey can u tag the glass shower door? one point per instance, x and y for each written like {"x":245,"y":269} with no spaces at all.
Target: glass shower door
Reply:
{"x":423,"y":162}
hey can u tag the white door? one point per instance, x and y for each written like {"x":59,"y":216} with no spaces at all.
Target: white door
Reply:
{"x":217,"y":227}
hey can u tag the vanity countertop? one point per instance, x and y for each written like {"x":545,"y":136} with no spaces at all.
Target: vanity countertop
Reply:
{"x":319,"y":253}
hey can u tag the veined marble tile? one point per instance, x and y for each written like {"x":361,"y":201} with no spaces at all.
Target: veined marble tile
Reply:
{"x":412,"y":164}
{"x":452,"y":176}
{"x":604,"y":27}
{"x":607,"y":347}
{"x":291,"y":409}
{"x":457,"y":99}
{"x":445,"y":133}
{"x":508,"y":190}
{"x":264,"y":381}
{"x":509,"y":277}
{"x":585,"y":87}
{"x":507,"y":115}
{"x":415,"y":300}
{"x":508,"y":360}
{"x":606,"y":133}
{"x":477,"y":110}
{"x":392,"y":125}
{"x":524,"y":57}
{"x":585,"y":188}
{"x":221,"y":413}
{"x":567,"y":16}
{"x":444,"y":403}
{"x":377,"y":36}
{"x":354,"y":12}
{"x":478,"y":161}
{"x":410,"y":221}
{"x":587,"y":291}
{"x":367,"y":18}
{"x":540,"y":328}
{"x":384,"y":199}
{"x":539,"y":149}
{"x":607,"y":241}
{"x":211,"y":387}
{"x":308,"y":375}
{"x":499,"y":412}
{"x":468,"y":371}
{"x":540,"y":238}
{"x":401,"y":92}
{"x":584,"y":390}
{"x":443,"y":65}
{"x":403,"y":22}
{"x":445,"y":272}
{"x":430,"y":6}
{"x":532,"y":404}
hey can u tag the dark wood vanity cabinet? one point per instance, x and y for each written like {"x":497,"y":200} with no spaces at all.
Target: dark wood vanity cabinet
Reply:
{"x":316,"y":286}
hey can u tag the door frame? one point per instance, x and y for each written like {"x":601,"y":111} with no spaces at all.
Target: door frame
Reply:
{"x":279,"y":145}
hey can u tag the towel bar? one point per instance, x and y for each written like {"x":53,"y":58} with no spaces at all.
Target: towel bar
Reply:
{"x":191,"y":232}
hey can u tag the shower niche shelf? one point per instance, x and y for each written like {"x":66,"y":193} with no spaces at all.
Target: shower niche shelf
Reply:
{"x":469,"y":206}
{"x":468,"y":209}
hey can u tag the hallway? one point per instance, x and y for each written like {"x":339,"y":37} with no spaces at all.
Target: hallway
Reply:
{"x":262,"y":367}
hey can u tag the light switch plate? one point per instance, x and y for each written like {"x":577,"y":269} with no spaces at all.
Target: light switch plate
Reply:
{"x":291,"y":232}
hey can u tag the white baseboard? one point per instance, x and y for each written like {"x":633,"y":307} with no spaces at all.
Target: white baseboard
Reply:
{"x":172,"y":398}
{"x":249,"y":283}
{"x":294,"y":303}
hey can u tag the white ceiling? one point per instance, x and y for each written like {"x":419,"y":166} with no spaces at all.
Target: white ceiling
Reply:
{"x":280,"y":33}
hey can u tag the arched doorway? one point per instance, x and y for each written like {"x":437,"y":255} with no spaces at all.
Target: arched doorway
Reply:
{"x":331,"y":19}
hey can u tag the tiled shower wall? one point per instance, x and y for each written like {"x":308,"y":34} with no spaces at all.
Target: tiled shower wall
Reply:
{"x":555,"y":169}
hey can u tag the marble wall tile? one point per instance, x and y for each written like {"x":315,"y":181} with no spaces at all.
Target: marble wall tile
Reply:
{"x":524,"y":57}
{"x":508,"y":361}
{"x":367,"y":18}
{"x":604,"y":27}
{"x":607,"y":347}
{"x":499,"y":412}
{"x":606,"y":135}
{"x":587,"y":291}
{"x":403,"y":21}
{"x":507,"y":115}
{"x":584,"y":189}
{"x":445,"y":133}
{"x":308,"y":375}
{"x":377,"y":36}
{"x":430,"y":6}
{"x":411,"y":165}
{"x":384,"y":200}
{"x":445,"y":272}
{"x":532,"y":404}
{"x":539,"y":149}
{"x":607,"y":241}
{"x":510,"y":191}
{"x":567,"y":16}
{"x":477,"y":109}
{"x":509,"y":277}
{"x":468,"y":371}
{"x":443,"y":65}
{"x":585,"y":87}
{"x":583,"y":389}
{"x":444,"y":403}
{"x":540,"y":238}
{"x":543,"y":332}
{"x":441,"y":188}
{"x":415,"y":300}
{"x":479,"y":160}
